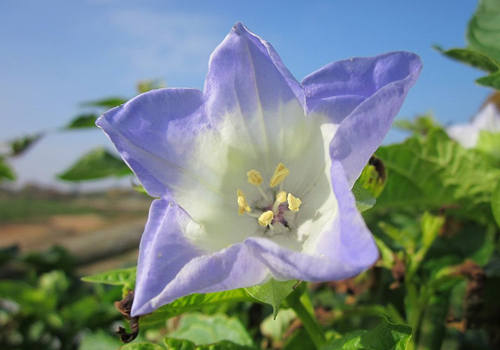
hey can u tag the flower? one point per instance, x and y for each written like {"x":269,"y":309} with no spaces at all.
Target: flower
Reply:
{"x":254,"y":173}
{"x":487,"y":119}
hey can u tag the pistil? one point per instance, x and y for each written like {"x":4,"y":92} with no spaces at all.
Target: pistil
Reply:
{"x":280,"y":198}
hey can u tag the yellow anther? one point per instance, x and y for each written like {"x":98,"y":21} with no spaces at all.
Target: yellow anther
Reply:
{"x":280,"y":173}
{"x":254,"y":177}
{"x":266,"y":218}
{"x":293,"y":203}
{"x":281,"y":197}
{"x":242,"y":203}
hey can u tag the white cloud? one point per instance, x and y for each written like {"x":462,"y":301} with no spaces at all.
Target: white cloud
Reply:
{"x":166,"y":43}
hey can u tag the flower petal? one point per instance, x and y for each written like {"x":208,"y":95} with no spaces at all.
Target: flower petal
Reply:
{"x":153,"y":134}
{"x":362,"y":96}
{"x":250,"y":93}
{"x":163,"y":253}
{"x":342,"y":251}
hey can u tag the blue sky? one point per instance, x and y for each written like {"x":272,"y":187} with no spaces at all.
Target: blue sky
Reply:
{"x":56,"y":54}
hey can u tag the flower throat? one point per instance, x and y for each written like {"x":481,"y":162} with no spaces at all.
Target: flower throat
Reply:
{"x":278,"y":216}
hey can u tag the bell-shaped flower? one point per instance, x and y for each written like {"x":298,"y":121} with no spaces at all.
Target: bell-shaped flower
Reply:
{"x":255,"y":172}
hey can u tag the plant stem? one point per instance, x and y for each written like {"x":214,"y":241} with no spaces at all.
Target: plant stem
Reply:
{"x":296,"y":302}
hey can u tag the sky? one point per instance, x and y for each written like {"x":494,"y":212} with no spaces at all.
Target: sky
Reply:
{"x":56,"y":54}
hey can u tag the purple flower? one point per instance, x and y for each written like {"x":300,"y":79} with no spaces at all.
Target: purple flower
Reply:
{"x":255,"y":173}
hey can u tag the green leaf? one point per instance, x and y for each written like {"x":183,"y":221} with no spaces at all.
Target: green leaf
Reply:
{"x":483,"y":37}
{"x":99,"y":340}
{"x":122,"y":277}
{"x":202,"y":329}
{"x":194,"y":302}
{"x":141,"y":346}
{"x":471,"y":58}
{"x":97,"y":164}
{"x":495,"y":203}
{"x":364,"y":199}
{"x":5,"y":171}
{"x":179,"y":344}
{"x":489,"y":144}
{"x":21,"y":145}
{"x":183,"y":344}
{"x":421,"y":124}
{"x":107,"y":103}
{"x":386,"y":336}
{"x":83,"y":121}
{"x":32,"y":300}
{"x":492,"y":81}
{"x":435,"y":171}
{"x":272,"y":293}
{"x":483,"y":31}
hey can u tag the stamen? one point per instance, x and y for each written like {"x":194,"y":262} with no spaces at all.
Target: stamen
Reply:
{"x":266,"y":218}
{"x":293,"y":203}
{"x":280,"y":198}
{"x":280,"y":173}
{"x":254,"y":177}
{"x":242,"y":203}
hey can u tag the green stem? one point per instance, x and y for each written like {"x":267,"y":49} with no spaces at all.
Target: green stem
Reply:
{"x":414,"y":314}
{"x":296,"y":302}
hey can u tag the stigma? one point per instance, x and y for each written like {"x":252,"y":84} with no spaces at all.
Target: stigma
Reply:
{"x":277,"y":207}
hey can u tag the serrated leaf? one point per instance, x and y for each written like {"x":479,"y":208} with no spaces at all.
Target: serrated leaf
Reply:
{"x":83,"y":121}
{"x":435,"y":171}
{"x":6,"y":171}
{"x":194,"y":302}
{"x":483,"y":31}
{"x":141,"y":346}
{"x":472,"y":58}
{"x":107,"y":103}
{"x":97,"y":164}
{"x":121,"y":277}
{"x":495,"y":203}
{"x":202,"y":329}
{"x":272,"y":292}
{"x":386,"y":336}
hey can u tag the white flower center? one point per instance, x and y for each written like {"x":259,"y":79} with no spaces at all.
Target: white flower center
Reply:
{"x":276,"y":216}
